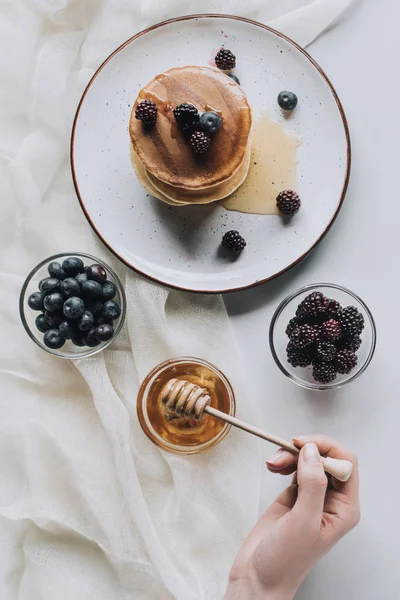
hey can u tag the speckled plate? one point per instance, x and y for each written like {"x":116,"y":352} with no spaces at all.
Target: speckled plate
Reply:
{"x":179,"y":247}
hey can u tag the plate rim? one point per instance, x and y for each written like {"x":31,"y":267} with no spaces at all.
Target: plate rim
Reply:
{"x":312,"y":61}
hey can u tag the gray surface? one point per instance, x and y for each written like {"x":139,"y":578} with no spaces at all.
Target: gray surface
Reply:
{"x":361,"y":251}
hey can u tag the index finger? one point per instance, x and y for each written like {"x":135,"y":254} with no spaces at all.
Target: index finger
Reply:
{"x":329,"y":447}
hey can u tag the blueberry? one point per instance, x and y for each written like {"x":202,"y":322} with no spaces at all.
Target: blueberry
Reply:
{"x":50,"y":285}
{"x":52,"y":319}
{"x":97,"y":273}
{"x":77,"y":339}
{"x":104,"y":332}
{"x":53,"y":302}
{"x":102,"y":320}
{"x":95,"y":307}
{"x":109,"y":290}
{"x":66,"y":330}
{"x":72,"y":266}
{"x":92,"y":289}
{"x":232,"y":76}
{"x":86,"y":321}
{"x":111,"y":310}
{"x":41,"y":323}
{"x":35,"y":301}
{"x":73,"y":307}
{"x":287,"y":100}
{"x":210,"y":122}
{"x":53,"y":339}
{"x":70,"y":287}
{"x":56,"y":271}
{"x":81,"y":277}
{"x":90,"y":338}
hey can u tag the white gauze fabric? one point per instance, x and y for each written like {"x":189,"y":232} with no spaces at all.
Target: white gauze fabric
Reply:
{"x":89,"y":508}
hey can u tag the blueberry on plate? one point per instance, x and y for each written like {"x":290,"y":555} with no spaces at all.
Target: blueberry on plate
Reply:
{"x":72,"y":266}
{"x":73,"y":307}
{"x":210,"y":122}
{"x":109,"y":290}
{"x":67,"y":330}
{"x":287,"y":100}
{"x":41,"y":323}
{"x":77,"y":338}
{"x":53,"y":339}
{"x":232,"y":76}
{"x":70,"y":287}
{"x":97,"y":273}
{"x":56,"y":271}
{"x":52,"y":319}
{"x":35,"y":301}
{"x":81,"y":277}
{"x":90,"y":338}
{"x":101,"y":320}
{"x":104,"y":332}
{"x":92,"y":289}
{"x":111,"y":310}
{"x":86,"y":321}
{"x":94,"y":307}
{"x":53,"y":302}
{"x":50,"y":285}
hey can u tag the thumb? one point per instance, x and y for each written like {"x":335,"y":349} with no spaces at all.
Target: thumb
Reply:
{"x":312,"y":484}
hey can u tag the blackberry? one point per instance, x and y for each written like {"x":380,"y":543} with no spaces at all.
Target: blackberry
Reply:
{"x":351,"y":320}
{"x":187,"y":116}
{"x":313,"y":306}
{"x":298,"y":357}
{"x":304,"y":336}
{"x":199,"y":142}
{"x":232,"y":240}
{"x":345,"y":361}
{"x":331,"y":330}
{"x":288,"y":202}
{"x":326,"y":352}
{"x":293,"y":324}
{"x":225,"y":59}
{"x":333,"y":308}
{"x":324,"y":372}
{"x":353,"y":344}
{"x":146,"y":111}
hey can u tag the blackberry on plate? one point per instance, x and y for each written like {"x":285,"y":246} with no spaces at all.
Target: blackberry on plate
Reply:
{"x":232,"y":76}
{"x":288,"y":202}
{"x":53,"y":339}
{"x":225,"y":59}
{"x":232,"y":240}
{"x":313,"y":306}
{"x":293,"y":324}
{"x":350,"y":343}
{"x":304,"y":336}
{"x":287,"y":100}
{"x":345,"y":361}
{"x":187,"y":116}
{"x":331,"y":330}
{"x":333,"y":307}
{"x":351,"y":320}
{"x":146,"y":111}
{"x":298,"y":357}
{"x":210,"y":122}
{"x":199,"y":142}
{"x":326,"y":352}
{"x":35,"y":301}
{"x":324,"y":372}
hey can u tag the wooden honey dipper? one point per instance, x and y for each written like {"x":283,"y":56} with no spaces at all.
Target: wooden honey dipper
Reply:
{"x":192,"y":401}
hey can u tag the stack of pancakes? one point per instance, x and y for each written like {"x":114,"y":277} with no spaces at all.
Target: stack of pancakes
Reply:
{"x":162,"y":157}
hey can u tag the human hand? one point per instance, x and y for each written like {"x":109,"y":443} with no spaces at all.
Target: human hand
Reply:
{"x":303,"y":523}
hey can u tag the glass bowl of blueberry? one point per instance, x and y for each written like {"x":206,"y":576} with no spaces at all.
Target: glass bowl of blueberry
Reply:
{"x":72,"y":305}
{"x":322,"y":336}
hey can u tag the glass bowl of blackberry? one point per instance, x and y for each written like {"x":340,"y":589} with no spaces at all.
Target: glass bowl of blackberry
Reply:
{"x":322,"y":336}
{"x":72,"y":305}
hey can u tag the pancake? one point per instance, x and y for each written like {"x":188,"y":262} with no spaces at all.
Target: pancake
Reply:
{"x":163,"y":149}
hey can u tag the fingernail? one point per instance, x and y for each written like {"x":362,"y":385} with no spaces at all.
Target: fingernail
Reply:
{"x":275,"y":458}
{"x":311,"y":453}
{"x":299,"y":438}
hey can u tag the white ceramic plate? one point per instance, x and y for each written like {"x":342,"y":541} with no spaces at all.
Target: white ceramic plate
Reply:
{"x":179,"y":246}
